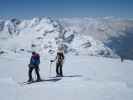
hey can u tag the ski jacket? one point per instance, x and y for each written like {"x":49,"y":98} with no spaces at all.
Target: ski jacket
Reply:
{"x":60,"y":57}
{"x":35,"y":60}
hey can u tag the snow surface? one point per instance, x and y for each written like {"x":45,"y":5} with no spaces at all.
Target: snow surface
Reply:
{"x":86,"y":77}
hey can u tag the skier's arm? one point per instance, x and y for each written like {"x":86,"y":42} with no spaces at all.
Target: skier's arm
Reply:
{"x":54,"y":59}
{"x":30,"y":61}
{"x":63,"y":56}
{"x":30,"y":64}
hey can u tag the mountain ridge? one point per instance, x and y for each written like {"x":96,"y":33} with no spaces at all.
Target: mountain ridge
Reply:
{"x":44,"y":34}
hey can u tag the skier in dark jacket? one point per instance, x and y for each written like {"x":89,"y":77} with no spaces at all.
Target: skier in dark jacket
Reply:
{"x":34,"y":65}
{"x":59,"y":63}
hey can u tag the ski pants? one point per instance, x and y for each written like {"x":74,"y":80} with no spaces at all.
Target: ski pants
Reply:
{"x":36,"y":68}
{"x":59,"y":68}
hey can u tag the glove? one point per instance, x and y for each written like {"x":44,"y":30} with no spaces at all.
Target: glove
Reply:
{"x":51,"y":60}
{"x":31,"y":66}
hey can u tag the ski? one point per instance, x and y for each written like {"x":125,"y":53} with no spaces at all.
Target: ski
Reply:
{"x":26,"y":82}
{"x":52,"y":79}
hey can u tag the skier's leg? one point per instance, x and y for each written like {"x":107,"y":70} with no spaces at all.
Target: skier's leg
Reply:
{"x":57,"y":68}
{"x":61,"y":72}
{"x":30,"y":74}
{"x":37,"y":73}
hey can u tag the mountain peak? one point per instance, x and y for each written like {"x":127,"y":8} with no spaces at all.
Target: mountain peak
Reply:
{"x":80,"y":35}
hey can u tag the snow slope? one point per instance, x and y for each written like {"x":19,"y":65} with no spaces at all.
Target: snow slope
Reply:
{"x":86,"y":77}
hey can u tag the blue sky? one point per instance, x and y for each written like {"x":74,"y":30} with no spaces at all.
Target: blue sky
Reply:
{"x":66,"y":8}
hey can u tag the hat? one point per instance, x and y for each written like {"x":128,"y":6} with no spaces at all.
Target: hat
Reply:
{"x":33,"y":53}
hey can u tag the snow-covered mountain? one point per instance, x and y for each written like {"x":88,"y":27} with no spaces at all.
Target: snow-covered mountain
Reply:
{"x":84,"y":77}
{"x":87,"y":36}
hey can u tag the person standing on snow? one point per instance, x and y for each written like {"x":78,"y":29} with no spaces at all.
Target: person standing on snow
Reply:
{"x":59,"y":62}
{"x":34,"y":65}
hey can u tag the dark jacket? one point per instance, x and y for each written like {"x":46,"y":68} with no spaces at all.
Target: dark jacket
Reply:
{"x":35,"y":60}
{"x":60,"y":57}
